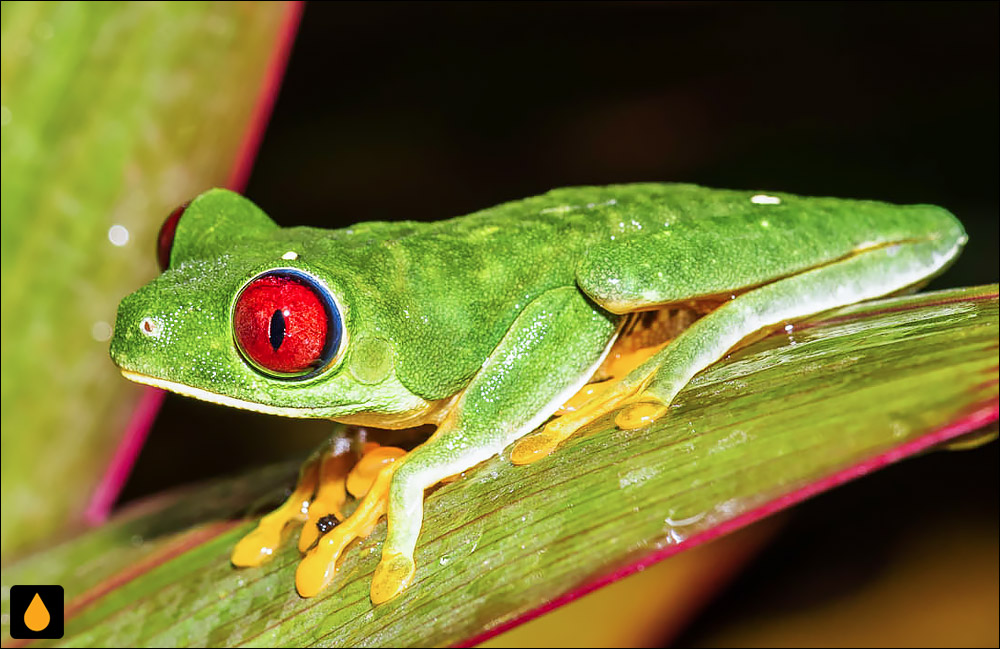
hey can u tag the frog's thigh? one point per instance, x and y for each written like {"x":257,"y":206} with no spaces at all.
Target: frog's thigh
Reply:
{"x":868,"y":274}
{"x":549,"y":353}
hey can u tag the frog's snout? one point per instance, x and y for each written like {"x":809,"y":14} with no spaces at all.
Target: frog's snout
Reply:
{"x":133,"y":328}
{"x":121,"y":337}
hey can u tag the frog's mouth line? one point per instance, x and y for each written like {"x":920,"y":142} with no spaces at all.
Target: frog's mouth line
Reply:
{"x":221,"y":399}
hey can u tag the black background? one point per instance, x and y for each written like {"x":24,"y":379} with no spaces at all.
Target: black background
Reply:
{"x":426,"y":111}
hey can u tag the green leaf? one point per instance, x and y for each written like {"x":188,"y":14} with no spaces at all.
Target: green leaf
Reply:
{"x":112,"y":115}
{"x":794,"y":413}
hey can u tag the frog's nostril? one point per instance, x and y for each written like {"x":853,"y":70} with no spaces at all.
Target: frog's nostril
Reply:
{"x":151,"y":327}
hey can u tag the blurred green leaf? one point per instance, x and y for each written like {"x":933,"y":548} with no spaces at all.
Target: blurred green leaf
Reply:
{"x":112,"y":115}
{"x":791,"y":414}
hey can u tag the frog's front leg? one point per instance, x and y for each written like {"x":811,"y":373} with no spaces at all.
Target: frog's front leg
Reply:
{"x":550,"y":351}
{"x":338,"y":476}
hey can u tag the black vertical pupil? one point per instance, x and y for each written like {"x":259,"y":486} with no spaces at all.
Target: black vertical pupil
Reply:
{"x":277,"y":330}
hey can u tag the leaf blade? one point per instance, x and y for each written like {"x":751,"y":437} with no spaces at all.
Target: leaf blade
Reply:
{"x":767,"y":427}
{"x":114,"y":114}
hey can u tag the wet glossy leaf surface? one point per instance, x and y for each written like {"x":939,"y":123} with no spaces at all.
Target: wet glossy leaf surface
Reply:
{"x":794,"y":413}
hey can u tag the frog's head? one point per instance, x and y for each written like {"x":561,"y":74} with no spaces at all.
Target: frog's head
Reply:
{"x":251,"y":315}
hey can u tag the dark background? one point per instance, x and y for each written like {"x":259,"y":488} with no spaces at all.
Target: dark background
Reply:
{"x":426,"y":111}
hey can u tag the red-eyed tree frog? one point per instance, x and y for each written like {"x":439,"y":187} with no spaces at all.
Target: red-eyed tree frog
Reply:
{"x":486,"y":325}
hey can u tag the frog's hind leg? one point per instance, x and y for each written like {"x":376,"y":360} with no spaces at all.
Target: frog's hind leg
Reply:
{"x":647,"y":390}
{"x":867,"y":274}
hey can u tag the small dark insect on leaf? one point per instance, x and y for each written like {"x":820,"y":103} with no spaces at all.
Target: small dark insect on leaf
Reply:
{"x":326,"y":523}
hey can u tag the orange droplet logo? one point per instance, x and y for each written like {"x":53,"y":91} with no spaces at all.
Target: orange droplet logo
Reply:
{"x":37,"y":611}
{"x":37,"y":616}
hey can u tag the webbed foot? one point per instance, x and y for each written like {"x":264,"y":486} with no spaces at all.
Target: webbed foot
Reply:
{"x":318,"y":568}
{"x":325,"y":508}
{"x":362,"y":476}
{"x":630,"y":371}
{"x":257,"y":547}
{"x":393,"y":574}
{"x":318,"y":500}
{"x":642,"y":412}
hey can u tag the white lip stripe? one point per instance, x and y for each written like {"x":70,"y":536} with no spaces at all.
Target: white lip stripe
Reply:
{"x":205,"y":395}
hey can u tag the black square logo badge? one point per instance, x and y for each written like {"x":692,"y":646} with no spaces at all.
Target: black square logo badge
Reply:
{"x":36,"y":612}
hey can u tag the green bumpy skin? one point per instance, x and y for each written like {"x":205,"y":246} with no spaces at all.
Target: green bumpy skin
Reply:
{"x":486,"y":323}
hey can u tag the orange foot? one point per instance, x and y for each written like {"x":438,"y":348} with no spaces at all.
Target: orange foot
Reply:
{"x":318,"y":502}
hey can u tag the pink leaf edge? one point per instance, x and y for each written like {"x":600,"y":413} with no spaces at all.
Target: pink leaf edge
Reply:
{"x":127,"y":452}
{"x":974,"y":421}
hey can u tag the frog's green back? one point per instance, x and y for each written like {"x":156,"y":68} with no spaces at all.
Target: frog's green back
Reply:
{"x":447,"y":292}
{"x":699,"y":242}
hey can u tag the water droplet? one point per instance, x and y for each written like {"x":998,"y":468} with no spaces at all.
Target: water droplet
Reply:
{"x":118,"y":235}
{"x":100,"y":331}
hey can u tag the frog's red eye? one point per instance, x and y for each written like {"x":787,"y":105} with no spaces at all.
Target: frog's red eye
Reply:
{"x":286,"y":325}
{"x":165,"y":239}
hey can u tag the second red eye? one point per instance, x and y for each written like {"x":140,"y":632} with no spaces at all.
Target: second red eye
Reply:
{"x":284,"y":325}
{"x":165,"y":238}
